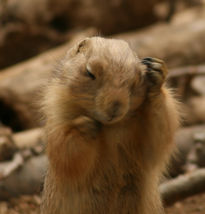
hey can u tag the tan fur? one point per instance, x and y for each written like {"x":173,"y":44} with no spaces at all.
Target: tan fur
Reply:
{"x":109,"y":138}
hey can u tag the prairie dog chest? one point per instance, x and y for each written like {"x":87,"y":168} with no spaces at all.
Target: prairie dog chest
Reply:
{"x":122,"y":144}
{"x":123,"y":134}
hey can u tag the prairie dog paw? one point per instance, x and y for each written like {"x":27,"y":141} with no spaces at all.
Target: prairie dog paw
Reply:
{"x":156,"y":71}
{"x":87,"y":126}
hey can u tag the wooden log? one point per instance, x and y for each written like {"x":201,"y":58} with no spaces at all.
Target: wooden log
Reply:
{"x":27,"y":179}
{"x":128,"y":15}
{"x":179,"y":43}
{"x":190,"y":84}
{"x":183,"y":186}
{"x":7,"y":145}
{"x":20,"y":86}
{"x":188,"y":80}
{"x":34,"y":26}
{"x":197,"y":70}
{"x":29,"y":138}
{"x":186,"y":147}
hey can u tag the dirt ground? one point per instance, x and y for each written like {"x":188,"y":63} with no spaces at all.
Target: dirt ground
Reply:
{"x":30,"y":205}
{"x":192,"y":205}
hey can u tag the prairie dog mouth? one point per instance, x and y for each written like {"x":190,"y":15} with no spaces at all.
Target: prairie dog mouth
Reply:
{"x":106,"y":119}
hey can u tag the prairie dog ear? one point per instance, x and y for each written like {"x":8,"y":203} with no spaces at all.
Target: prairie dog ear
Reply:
{"x":82,"y":45}
{"x":77,"y":48}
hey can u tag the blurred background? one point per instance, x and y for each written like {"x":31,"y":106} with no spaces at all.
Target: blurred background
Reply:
{"x":35,"y":34}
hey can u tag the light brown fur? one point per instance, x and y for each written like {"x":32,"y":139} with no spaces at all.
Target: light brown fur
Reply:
{"x":108,"y":138}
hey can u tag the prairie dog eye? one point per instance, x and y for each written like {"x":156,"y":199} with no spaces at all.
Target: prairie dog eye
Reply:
{"x":89,"y":73}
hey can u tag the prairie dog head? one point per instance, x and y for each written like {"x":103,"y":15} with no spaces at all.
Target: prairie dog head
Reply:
{"x":100,"y":78}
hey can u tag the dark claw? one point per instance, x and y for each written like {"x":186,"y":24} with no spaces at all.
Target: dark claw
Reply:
{"x":149,"y":59}
{"x":148,"y":64}
{"x":145,"y":62}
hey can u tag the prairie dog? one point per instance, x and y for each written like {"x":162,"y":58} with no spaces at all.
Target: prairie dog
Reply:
{"x":110,"y":126}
